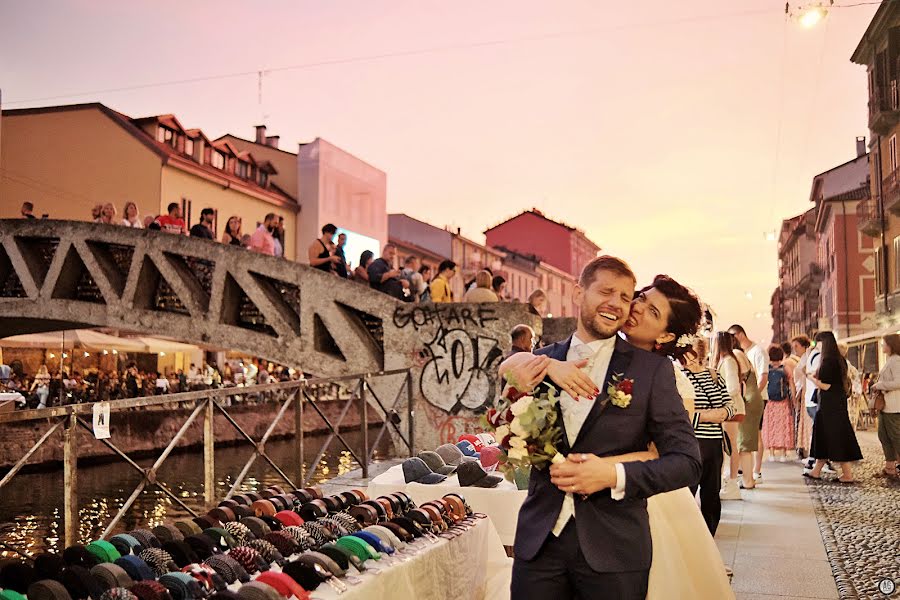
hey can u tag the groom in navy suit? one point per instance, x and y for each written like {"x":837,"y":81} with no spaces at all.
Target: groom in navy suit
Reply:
{"x":583,"y":530}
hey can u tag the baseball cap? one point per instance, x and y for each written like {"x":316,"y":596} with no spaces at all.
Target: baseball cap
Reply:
{"x":472,"y":474}
{"x":490,"y":458}
{"x":472,"y":438}
{"x":415,"y":469}
{"x":436,"y":463}
{"x":487,"y":439}
{"x":468,"y":448}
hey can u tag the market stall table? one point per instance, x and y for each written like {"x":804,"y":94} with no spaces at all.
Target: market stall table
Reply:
{"x":472,"y":566}
{"x":501,"y":503}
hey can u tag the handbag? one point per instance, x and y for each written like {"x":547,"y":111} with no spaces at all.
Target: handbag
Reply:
{"x":878,"y":401}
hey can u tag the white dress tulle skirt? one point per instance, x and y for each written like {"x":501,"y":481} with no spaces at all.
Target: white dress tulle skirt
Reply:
{"x":686,"y":561}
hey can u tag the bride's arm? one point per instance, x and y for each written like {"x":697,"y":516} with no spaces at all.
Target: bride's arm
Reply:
{"x":527,"y":370}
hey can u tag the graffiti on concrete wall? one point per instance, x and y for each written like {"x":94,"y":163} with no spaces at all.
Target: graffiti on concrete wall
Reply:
{"x":460,"y":359}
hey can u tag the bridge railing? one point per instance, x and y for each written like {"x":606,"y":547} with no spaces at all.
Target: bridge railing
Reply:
{"x":296,"y":397}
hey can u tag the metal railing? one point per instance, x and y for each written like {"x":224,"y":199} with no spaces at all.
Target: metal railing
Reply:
{"x":301,"y":395}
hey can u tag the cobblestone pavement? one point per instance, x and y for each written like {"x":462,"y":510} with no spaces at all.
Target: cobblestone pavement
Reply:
{"x":860,"y":526}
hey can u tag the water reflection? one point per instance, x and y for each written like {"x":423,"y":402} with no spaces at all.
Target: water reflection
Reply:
{"x":32,"y":503}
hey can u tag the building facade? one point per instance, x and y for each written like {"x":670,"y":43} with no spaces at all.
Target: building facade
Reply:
{"x":332,"y":186}
{"x":800,"y":278}
{"x":846,"y":255}
{"x":67,"y":159}
{"x":557,"y":244}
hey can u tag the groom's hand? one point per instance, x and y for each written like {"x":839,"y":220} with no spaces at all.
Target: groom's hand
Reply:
{"x":583,"y":474}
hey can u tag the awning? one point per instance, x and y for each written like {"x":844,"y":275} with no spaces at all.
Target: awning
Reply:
{"x":82,"y":338}
{"x":157,"y":345}
{"x":870,"y":336}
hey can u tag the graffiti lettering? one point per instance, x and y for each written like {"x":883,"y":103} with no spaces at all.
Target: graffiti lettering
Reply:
{"x":443,"y":315}
{"x":461,"y":371}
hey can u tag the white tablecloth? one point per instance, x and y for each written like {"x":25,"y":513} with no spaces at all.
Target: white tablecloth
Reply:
{"x":472,"y":566}
{"x":501,"y":503}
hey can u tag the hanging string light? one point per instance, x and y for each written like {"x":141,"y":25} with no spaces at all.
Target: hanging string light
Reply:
{"x":809,"y":15}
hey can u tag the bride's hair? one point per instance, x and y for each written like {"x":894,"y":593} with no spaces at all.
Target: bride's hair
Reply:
{"x":685,"y":315}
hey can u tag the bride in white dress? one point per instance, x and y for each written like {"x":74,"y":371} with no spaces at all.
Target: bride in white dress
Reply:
{"x":686,"y":561}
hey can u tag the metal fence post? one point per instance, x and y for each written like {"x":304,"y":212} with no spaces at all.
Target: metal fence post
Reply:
{"x":363,"y":386}
{"x":70,"y":481}
{"x":410,"y":414}
{"x":209,"y":455}
{"x":298,"y":436}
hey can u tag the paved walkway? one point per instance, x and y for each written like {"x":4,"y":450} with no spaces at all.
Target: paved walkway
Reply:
{"x":772,"y":541}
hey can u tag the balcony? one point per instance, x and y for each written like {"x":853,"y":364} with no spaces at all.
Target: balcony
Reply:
{"x":868,"y":217}
{"x":890,"y":188}
{"x":884,"y":107}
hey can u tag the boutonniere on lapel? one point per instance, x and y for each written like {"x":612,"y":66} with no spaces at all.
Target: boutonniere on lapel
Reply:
{"x":619,"y":390}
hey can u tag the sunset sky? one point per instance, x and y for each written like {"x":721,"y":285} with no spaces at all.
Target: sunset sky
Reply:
{"x":651,"y":125}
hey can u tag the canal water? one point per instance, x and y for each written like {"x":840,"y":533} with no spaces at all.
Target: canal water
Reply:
{"x":31,"y":505}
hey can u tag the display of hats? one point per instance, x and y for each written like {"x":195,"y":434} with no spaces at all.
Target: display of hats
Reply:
{"x":364,"y":514}
{"x":80,"y":584}
{"x":11,"y":594}
{"x":283,"y":542}
{"x":223,"y":514}
{"x":471,"y":437}
{"x":159,"y":560}
{"x":257,"y":526}
{"x":473,"y":474}
{"x":263,"y":507}
{"x":228,"y":568}
{"x":269,"y":552}
{"x":181,"y":553}
{"x":16,"y":576}
{"x":415,"y":470}
{"x":307,"y":575}
{"x":187,"y":528}
{"x":452,"y":455}
{"x":486,"y":439}
{"x":136,"y":568}
{"x":79,"y":555}
{"x":256,"y":590}
{"x":221,"y":537}
{"x":468,"y":449}
{"x":146,"y":538}
{"x":436,"y":463}
{"x":209,"y":580}
{"x":150,"y":590}
{"x":349,"y":556}
{"x":48,"y":589}
{"x":118,"y":593}
{"x":48,"y":566}
{"x":182,"y":586}
{"x":104,"y":551}
{"x":285,"y":585}
{"x":314,"y":509}
{"x":239,"y":531}
{"x":248,"y":558}
{"x":490,"y":458}
{"x":374,"y":541}
{"x":111,"y":575}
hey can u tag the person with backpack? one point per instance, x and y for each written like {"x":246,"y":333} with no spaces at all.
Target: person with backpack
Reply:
{"x":778,"y":420}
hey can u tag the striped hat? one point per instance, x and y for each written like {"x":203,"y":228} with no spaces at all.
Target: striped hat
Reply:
{"x":300,"y":535}
{"x":118,"y":593}
{"x":248,"y":558}
{"x":182,"y":586}
{"x":283,"y":542}
{"x":47,"y":589}
{"x":228,"y":568}
{"x":240,"y":532}
{"x":136,"y":568}
{"x":269,"y":552}
{"x":150,"y":590}
{"x":146,"y":538}
{"x":111,"y":575}
{"x":159,"y":560}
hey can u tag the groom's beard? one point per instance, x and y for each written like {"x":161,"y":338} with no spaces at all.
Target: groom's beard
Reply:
{"x":599,"y":327}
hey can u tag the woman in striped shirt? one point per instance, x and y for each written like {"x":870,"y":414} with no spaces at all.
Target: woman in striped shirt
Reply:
{"x":712,"y":406}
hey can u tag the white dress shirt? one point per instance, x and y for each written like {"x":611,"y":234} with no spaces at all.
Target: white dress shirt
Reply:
{"x":574,"y":412}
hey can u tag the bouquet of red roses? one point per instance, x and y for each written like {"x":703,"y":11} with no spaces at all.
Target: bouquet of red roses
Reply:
{"x":526,"y":428}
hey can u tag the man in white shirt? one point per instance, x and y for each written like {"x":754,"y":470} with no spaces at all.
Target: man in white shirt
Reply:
{"x":760,"y":361}
{"x":583,"y":530}
{"x":809,"y":367}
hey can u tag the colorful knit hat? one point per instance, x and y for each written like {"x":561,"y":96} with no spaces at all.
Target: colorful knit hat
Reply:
{"x":150,"y":590}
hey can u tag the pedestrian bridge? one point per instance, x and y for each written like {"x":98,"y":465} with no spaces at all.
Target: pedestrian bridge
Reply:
{"x":69,"y":274}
